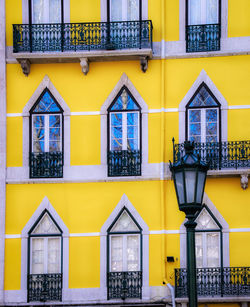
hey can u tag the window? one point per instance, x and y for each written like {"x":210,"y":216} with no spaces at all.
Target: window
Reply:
{"x":46,"y":11}
{"x":203,"y":117}
{"x":124,"y":264}
{"x":46,"y":135}
{"x":207,"y":241}
{"x":203,"y":25}
{"x":124,"y":141}
{"x":124,"y":10}
{"x":45,"y":260}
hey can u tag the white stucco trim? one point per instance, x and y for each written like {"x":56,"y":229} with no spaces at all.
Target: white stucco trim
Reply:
{"x":46,"y":83}
{"x":124,"y":81}
{"x":25,"y":9}
{"x":124,"y":202}
{"x":45,"y":204}
{"x":203,"y":77}
{"x":225,"y":234}
{"x":2,"y":145}
{"x":182,"y":19}
{"x":104,"y":10}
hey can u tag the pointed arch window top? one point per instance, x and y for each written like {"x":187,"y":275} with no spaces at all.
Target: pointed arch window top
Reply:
{"x":124,"y":102}
{"x":203,"y":98}
{"x":205,"y":221}
{"x":46,"y":226}
{"x":46,"y":104}
{"x":124,"y":223}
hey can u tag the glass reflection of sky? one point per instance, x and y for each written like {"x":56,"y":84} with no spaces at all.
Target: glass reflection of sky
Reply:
{"x":46,"y":104}
{"x":119,"y":105}
{"x":203,"y":99}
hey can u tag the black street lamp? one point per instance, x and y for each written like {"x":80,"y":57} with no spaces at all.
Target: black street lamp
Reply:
{"x":189,"y":174}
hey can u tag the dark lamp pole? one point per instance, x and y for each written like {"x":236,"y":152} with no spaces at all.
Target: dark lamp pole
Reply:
{"x":189,"y":175}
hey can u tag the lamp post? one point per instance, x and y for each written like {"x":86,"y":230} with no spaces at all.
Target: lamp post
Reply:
{"x":189,"y":174}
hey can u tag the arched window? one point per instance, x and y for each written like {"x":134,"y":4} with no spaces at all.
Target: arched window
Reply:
{"x":125,"y":258}
{"x":45,"y":260}
{"x":207,"y":241}
{"x":124,"y":137}
{"x":46,"y":138}
{"x":203,"y":117}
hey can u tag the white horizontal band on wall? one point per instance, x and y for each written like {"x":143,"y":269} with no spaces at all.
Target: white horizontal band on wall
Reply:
{"x":165,"y":110}
{"x":152,"y":232}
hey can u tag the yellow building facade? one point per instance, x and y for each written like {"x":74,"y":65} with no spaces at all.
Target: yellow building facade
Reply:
{"x":92,"y":94}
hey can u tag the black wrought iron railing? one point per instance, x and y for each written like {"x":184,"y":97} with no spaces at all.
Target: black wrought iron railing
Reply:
{"x":122,"y":285}
{"x":46,"y":165}
{"x":203,"y":38}
{"x":82,"y":36}
{"x":124,"y":163}
{"x":44,"y":287}
{"x":228,"y":281}
{"x":231,"y":154}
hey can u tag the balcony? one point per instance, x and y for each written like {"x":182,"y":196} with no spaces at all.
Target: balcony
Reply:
{"x":221,"y":155}
{"x":203,"y":38}
{"x":44,"y":287}
{"x":122,"y":285}
{"x":124,"y":163}
{"x":93,"y":41}
{"x":215,"y":282}
{"x":46,"y":165}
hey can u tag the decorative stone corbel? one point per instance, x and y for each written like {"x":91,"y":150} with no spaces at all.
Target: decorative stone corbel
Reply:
{"x":144,"y":63}
{"x":244,"y":181}
{"x":25,"y":65}
{"x":84,"y":62}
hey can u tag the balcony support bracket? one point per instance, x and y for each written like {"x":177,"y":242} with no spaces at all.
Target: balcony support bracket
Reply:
{"x":25,"y":65}
{"x":84,"y":62}
{"x":144,"y":63}
{"x":244,"y":181}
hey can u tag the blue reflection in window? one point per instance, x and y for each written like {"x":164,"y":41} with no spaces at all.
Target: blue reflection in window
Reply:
{"x":124,"y":102}
{"x":203,"y":99}
{"x":46,"y":104}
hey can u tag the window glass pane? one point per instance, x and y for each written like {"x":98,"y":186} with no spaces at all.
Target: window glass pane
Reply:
{"x":212,"y":11}
{"x":38,"y":11}
{"x":38,"y":133}
{"x":47,"y":104}
{"x":133,"y":9}
{"x":133,"y":253}
{"x":46,"y":226}
{"x":211,"y":115}
{"x":54,"y":11}
{"x":116,"y":253}
{"x":116,"y":10}
{"x":132,"y":131}
{"x":54,"y":255}
{"x":198,"y":250}
{"x":37,"y":256}
{"x":203,"y":99}
{"x":194,"y":116}
{"x":124,"y":223}
{"x":213,"y":250}
{"x":195,"y":129}
{"x":124,"y":102}
{"x":194,"y":12}
{"x":116,"y":131}
{"x":204,"y":221}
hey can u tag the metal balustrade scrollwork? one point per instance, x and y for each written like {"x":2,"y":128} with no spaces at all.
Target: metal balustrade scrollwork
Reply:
{"x":221,"y":155}
{"x":46,"y":165}
{"x":70,"y":37}
{"x":44,"y":287}
{"x":122,"y":285}
{"x":227,"y":281}
{"x":124,"y":163}
{"x":201,"y":38}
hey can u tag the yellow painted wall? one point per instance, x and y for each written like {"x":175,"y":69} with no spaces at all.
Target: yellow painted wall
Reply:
{"x":12,"y":280}
{"x":239,"y":18}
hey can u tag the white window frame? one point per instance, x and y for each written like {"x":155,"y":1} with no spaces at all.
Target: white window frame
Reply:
{"x":124,"y":250}
{"x":203,"y":123}
{"x":46,"y":130}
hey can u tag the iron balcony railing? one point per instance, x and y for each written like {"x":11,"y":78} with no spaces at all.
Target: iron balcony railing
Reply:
{"x":200,"y":38}
{"x":122,"y":285}
{"x":44,"y":287}
{"x":228,"y":281}
{"x":82,"y":36}
{"x":231,"y":154}
{"x":46,"y":165}
{"x":124,"y":163}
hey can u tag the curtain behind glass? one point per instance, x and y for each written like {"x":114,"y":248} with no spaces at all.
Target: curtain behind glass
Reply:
{"x":55,"y":11}
{"x":133,"y":10}
{"x":38,"y":11}
{"x":46,"y":11}
{"x":54,"y":254}
{"x":37,"y":256}
{"x":212,"y":11}
{"x":203,"y":12}
{"x":116,"y":10}
{"x":194,"y":12}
